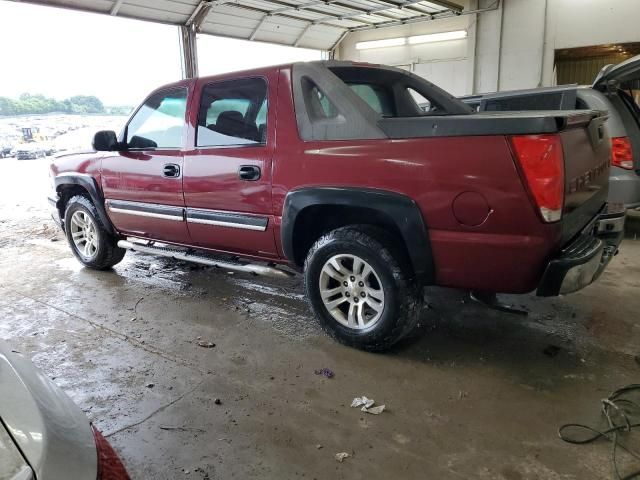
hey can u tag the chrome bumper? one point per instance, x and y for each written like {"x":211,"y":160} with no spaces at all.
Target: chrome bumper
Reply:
{"x":582,"y":261}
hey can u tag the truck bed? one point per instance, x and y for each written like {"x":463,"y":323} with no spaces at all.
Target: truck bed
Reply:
{"x":585,"y":144}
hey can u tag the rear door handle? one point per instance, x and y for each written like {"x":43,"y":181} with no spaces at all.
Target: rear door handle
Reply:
{"x":249,"y":173}
{"x":171,"y":170}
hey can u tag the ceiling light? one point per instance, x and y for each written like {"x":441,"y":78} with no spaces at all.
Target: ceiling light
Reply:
{"x":438,"y":37}
{"x":387,"y":42}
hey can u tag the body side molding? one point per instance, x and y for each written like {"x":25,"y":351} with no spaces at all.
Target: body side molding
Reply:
{"x":165,"y":212}
{"x":227,"y":219}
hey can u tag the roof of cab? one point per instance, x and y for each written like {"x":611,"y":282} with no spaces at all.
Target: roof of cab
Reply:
{"x":267,"y":69}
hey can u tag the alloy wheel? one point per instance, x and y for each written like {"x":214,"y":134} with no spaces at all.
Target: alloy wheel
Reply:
{"x":351,"y":291}
{"x":84,"y":234}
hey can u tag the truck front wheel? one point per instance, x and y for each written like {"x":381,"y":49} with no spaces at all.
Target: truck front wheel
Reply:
{"x":361,"y":288}
{"x":89,"y":240}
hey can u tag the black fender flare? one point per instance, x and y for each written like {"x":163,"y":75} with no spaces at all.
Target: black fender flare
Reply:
{"x":91,"y":186}
{"x":399,"y":209}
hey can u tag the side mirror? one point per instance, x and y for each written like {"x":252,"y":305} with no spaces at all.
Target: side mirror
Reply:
{"x":105,"y":141}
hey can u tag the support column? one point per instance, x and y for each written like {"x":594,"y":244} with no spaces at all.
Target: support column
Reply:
{"x":188,"y":51}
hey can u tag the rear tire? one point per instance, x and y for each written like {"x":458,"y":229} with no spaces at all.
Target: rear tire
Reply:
{"x":361,"y":288}
{"x":88,"y":238}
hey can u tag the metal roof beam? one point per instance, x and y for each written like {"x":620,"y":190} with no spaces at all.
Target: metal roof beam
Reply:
{"x":454,"y":7}
{"x":258,"y":27}
{"x":362,"y":10}
{"x":302,"y":34}
{"x":337,"y":16}
{"x":414,"y":8}
{"x":388,"y":6}
{"x":376,"y":10}
{"x":310,"y":7}
{"x":116,"y":7}
{"x":434,"y":16}
{"x":332,"y":50}
{"x":241,"y":6}
{"x":199,"y":14}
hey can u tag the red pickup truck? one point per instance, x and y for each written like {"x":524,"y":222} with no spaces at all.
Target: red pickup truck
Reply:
{"x":370,"y":180}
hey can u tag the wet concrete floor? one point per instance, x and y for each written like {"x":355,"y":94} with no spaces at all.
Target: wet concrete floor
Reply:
{"x":476,"y":394}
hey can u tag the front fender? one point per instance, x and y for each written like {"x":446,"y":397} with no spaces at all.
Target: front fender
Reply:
{"x":88,"y":183}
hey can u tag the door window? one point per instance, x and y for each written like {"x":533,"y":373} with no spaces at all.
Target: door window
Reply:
{"x":159,"y":122}
{"x":233,"y":113}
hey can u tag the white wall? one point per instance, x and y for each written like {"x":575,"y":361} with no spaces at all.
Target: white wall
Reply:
{"x":518,"y":55}
{"x":446,"y":63}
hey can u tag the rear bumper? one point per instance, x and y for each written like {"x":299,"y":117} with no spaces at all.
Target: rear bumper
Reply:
{"x":582,"y":261}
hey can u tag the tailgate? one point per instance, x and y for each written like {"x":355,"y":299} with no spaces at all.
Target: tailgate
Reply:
{"x":587,"y":155}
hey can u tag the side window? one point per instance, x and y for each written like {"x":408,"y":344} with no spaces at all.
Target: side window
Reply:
{"x":233,"y":112}
{"x":159,"y":122}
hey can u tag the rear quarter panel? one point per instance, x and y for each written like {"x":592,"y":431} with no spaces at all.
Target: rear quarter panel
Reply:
{"x":506,"y":252}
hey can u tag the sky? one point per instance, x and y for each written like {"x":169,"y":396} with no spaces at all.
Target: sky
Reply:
{"x":60,"y":53}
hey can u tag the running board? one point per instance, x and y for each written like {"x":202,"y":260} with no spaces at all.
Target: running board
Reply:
{"x":256,"y":269}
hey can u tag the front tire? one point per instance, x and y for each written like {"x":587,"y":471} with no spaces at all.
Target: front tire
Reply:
{"x":361,"y":288}
{"x":88,"y":238}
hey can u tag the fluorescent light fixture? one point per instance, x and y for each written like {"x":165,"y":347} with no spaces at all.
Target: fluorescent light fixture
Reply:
{"x":398,"y":42}
{"x":438,"y":37}
{"x":387,"y":42}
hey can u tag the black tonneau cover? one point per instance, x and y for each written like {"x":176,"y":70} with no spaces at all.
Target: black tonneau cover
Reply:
{"x":488,"y":123}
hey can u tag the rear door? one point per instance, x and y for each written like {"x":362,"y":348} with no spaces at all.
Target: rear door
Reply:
{"x":227,"y":173}
{"x":142,"y":184}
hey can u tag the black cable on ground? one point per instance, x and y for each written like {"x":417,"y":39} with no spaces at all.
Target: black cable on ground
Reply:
{"x":622,"y":415}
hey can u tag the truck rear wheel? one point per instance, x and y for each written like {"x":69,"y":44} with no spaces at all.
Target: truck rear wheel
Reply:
{"x":361,"y":288}
{"x":89,"y":240}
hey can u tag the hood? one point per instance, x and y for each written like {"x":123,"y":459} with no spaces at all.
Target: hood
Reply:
{"x":12,"y":465}
{"x":624,"y":75}
{"x":52,"y":433}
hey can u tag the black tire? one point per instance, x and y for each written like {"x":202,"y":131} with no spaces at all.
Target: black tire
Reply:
{"x":402,"y":296}
{"x":107,"y":253}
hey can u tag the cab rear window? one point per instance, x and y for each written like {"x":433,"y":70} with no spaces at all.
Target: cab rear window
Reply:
{"x":376,"y":97}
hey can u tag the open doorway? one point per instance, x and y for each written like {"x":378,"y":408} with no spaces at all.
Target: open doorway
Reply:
{"x":581,"y":65}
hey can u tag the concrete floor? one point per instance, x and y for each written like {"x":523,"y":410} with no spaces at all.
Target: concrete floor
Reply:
{"x":478,"y":394}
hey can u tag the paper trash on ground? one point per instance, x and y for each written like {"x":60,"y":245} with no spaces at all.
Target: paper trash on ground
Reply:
{"x":374,"y":410}
{"x":367,"y":405}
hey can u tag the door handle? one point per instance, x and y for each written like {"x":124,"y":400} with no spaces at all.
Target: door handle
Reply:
{"x":171,"y":170}
{"x":250,"y":173}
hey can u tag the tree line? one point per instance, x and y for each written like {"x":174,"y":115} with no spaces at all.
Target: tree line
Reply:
{"x":38,"y":104}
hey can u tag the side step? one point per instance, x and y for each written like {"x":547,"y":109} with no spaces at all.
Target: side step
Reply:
{"x":179,"y":254}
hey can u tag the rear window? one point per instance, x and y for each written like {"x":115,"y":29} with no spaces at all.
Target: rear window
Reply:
{"x":375,"y":96}
{"x":390,"y":93}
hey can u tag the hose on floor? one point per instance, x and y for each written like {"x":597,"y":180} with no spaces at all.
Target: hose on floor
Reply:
{"x":622,"y":415}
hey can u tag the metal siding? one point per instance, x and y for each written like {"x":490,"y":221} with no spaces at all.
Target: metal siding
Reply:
{"x":239,"y":18}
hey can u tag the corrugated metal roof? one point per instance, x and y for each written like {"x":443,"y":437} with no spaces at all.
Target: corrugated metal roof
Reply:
{"x":318,"y":24}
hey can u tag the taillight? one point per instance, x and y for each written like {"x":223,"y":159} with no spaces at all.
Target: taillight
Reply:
{"x":542,"y":163}
{"x":621,"y":154}
{"x":110,"y":466}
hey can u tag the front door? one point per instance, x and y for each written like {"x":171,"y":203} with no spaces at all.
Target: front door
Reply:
{"x":227,"y":174}
{"x":142,"y":184}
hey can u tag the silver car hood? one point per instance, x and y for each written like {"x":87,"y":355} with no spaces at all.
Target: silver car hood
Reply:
{"x":51,"y":431}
